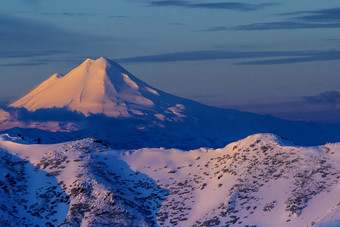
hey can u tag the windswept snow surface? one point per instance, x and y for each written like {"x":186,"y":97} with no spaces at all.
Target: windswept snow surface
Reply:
{"x":261,"y":180}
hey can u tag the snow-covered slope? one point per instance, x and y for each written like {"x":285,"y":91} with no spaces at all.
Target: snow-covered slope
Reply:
{"x":258,"y":181}
{"x":29,"y":196}
{"x":98,"y":193}
{"x":103,"y":87}
{"x":96,"y":86}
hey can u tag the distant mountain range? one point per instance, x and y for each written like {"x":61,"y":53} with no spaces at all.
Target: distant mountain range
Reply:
{"x":101,"y":99}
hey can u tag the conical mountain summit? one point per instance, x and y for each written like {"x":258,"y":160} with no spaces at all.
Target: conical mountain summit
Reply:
{"x":114,"y":102}
{"x":95,"y":87}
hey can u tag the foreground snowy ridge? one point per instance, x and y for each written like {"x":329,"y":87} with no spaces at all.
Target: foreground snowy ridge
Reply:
{"x":258,"y":181}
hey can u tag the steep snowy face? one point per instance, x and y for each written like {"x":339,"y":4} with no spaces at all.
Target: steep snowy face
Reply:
{"x":262,"y":180}
{"x":96,"y":86}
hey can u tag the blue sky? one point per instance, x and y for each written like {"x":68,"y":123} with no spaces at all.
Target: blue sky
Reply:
{"x":276,"y":57}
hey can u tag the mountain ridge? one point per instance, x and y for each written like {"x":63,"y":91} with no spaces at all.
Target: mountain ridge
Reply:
{"x":261,"y":180}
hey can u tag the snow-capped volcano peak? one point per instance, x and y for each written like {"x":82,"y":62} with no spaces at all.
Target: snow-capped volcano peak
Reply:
{"x":95,"y":86}
{"x":103,"y":87}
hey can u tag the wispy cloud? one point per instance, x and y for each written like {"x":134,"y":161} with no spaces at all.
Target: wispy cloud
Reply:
{"x":65,"y":13}
{"x":273,"y":26}
{"x":239,"y":6}
{"x":28,"y":54}
{"x":308,"y":56}
{"x":45,"y":59}
{"x":118,"y":16}
{"x":199,"y":56}
{"x":26,"y":42}
{"x":215,"y":29}
{"x":326,"y":18}
{"x":20,"y":64}
{"x":323,"y":15}
{"x":17,"y":34}
{"x":176,"y":24}
{"x":285,"y":26}
{"x":69,"y":14}
{"x":331,"y":98}
{"x":285,"y":57}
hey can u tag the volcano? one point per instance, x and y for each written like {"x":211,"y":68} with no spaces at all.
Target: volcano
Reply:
{"x":117,"y":106}
{"x":95,"y":87}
